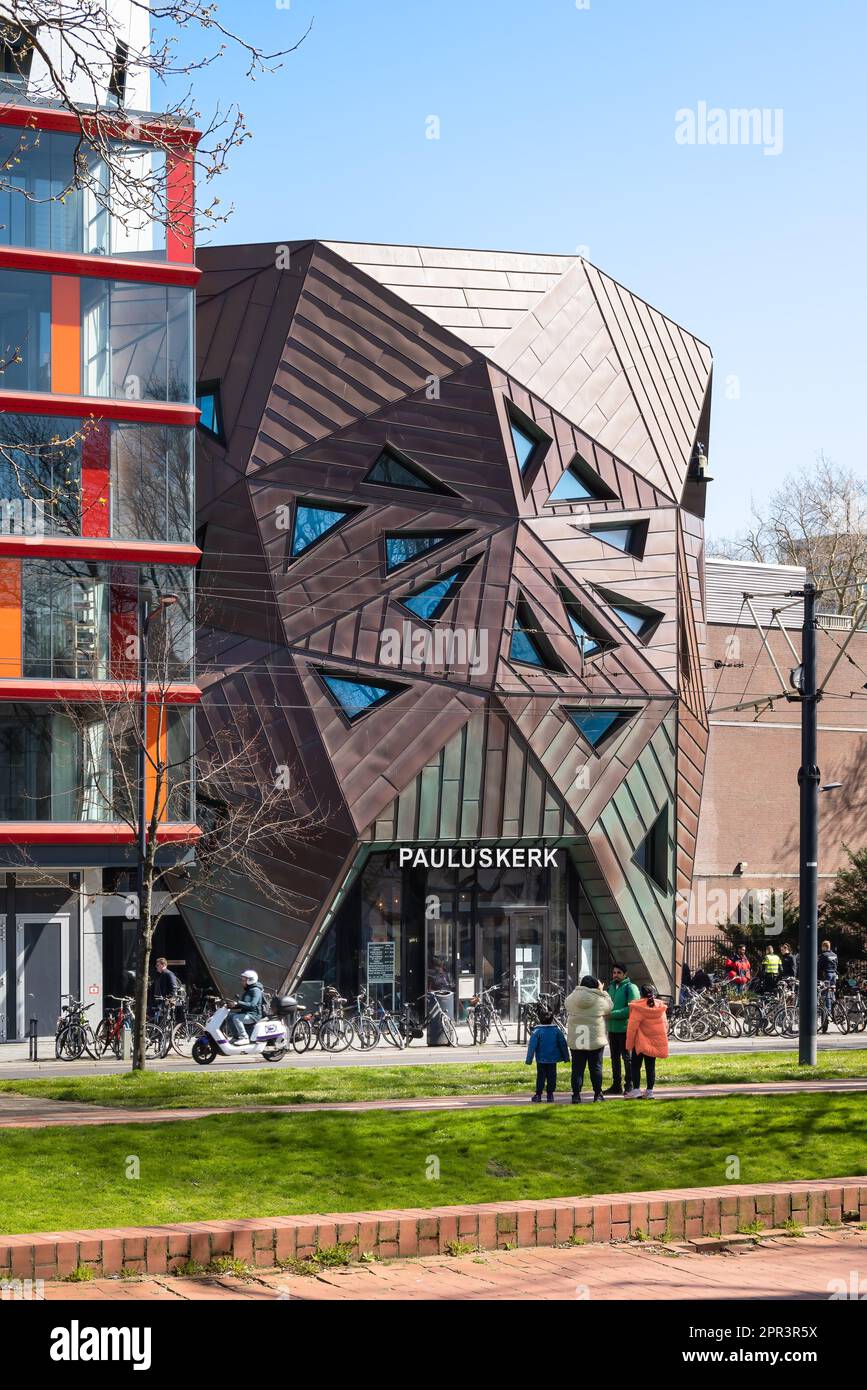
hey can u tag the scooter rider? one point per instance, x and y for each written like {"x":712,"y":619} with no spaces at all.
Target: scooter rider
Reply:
{"x":248,"y":1009}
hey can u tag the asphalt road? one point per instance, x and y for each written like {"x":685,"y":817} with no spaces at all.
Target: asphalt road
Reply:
{"x":17,"y":1065}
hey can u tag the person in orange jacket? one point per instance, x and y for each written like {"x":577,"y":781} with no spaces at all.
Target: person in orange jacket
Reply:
{"x":646,"y":1039}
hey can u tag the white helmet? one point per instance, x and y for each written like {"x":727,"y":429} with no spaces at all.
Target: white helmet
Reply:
{"x":250,"y":976}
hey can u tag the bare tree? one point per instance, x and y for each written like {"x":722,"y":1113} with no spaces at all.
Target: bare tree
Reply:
{"x":239,"y":810}
{"x":81,"y":57}
{"x":818,"y":519}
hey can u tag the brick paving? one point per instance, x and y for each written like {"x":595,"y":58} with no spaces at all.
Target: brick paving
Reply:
{"x":778,"y":1267}
{"x":40,"y":1112}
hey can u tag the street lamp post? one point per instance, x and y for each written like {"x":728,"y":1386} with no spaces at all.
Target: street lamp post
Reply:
{"x":147,"y":609}
{"x":808,"y":781}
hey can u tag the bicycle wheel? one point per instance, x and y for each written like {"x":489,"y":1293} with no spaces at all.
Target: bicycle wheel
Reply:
{"x":390,"y":1030}
{"x":336,"y":1034}
{"x":682,"y":1029}
{"x":450,"y":1030}
{"x":841,"y":1017}
{"x":69,"y":1044}
{"x":302,"y":1035}
{"x":500,"y":1030}
{"x":752,"y":1020}
{"x":481,"y":1026}
{"x":155,"y":1041}
{"x":183,"y":1037}
{"x":103,"y":1038}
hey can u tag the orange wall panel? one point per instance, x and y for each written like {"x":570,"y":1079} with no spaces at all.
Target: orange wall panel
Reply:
{"x":65,"y":335}
{"x":157,"y":722}
{"x":10,"y":619}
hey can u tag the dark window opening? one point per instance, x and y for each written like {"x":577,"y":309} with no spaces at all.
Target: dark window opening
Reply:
{"x":590,"y":638}
{"x":117,"y":80}
{"x":356,"y":696}
{"x":529,"y":442}
{"x":630,"y":537}
{"x":394,"y":469}
{"x":652,"y":853}
{"x":599,"y":725}
{"x":16,"y":54}
{"x":210,"y":408}
{"x":529,"y":645}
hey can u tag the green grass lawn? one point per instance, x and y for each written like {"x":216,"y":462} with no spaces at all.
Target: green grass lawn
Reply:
{"x":287,"y":1086}
{"x":244,"y":1166}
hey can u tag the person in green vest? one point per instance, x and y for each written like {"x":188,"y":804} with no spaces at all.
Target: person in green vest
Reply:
{"x":622,"y":992}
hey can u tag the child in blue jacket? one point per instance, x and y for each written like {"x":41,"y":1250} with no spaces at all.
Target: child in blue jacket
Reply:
{"x":548,"y":1046}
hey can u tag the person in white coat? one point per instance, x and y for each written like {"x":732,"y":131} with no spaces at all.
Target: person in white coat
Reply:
{"x":587,"y":1008}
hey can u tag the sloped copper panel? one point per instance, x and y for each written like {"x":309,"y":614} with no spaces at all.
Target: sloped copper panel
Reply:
{"x":472,"y":743}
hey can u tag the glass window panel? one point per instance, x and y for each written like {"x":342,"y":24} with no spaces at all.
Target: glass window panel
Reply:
{"x":40,"y":475}
{"x":623,"y":537}
{"x":152,"y":482}
{"x":25,"y":325}
{"x":312,"y":523}
{"x":66,"y":619}
{"x":38,"y":168}
{"x":179,"y":752}
{"x":427,"y":602}
{"x":395,"y":473}
{"x":137,"y":340}
{"x":355,"y":697}
{"x":171,"y":632}
{"x":571,"y":488}
{"x":636,"y":622}
{"x":525,"y":445}
{"x":399,"y":550}
{"x":596,"y":724}
{"x":589,"y":645}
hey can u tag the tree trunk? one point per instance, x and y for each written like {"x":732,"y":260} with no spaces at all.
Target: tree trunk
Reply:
{"x":143,"y":965}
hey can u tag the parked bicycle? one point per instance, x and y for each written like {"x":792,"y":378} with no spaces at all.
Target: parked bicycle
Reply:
{"x":73,"y":1034}
{"x":482,"y":1017}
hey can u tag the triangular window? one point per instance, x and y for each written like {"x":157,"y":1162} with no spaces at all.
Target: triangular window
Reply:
{"x":429,"y":602}
{"x":529,"y":645}
{"x":393,"y":469}
{"x":591,"y":640}
{"x":355,"y":696}
{"x":629,"y":538}
{"x":598,"y":725}
{"x":636,"y":616}
{"x":402,"y":547}
{"x":528,"y":441}
{"x":652,"y":853}
{"x":580,"y":484}
{"x":313,"y":522}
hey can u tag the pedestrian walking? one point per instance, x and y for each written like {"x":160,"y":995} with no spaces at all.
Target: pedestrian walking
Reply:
{"x":547,"y":1047}
{"x":647,"y":1040}
{"x":587,"y":1009}
{"x":621,"y":991}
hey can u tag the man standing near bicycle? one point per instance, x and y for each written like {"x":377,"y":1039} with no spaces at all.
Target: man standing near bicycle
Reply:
{"x":166,"y":983}
{"x":622,"y":992}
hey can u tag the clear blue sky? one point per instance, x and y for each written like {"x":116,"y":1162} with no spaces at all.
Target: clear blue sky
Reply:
{"x":558,"y":132}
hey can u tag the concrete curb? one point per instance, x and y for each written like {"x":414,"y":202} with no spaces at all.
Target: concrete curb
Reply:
{"x":679,"y":1214}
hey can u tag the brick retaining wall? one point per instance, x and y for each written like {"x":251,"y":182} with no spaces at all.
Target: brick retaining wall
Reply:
{"x":688,"y":1213}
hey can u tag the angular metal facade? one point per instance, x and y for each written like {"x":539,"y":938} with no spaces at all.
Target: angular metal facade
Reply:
{"x":491,"y":381}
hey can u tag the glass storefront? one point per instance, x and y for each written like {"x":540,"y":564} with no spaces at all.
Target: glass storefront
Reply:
{"x":514,"y":930}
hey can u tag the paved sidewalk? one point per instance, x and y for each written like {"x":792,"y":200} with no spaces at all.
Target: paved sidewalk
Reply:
{"x":14,"y":1063}
{"x":38,"y":1112}
{"x":811,"y":1268}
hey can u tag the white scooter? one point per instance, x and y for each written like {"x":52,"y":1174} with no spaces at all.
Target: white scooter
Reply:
{"x":268,"y":1039}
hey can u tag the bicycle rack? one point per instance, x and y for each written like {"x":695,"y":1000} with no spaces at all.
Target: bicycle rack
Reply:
{"x":33,"y":1039}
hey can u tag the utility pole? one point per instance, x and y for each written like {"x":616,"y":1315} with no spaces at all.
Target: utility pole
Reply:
{"x":808,"y":781}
